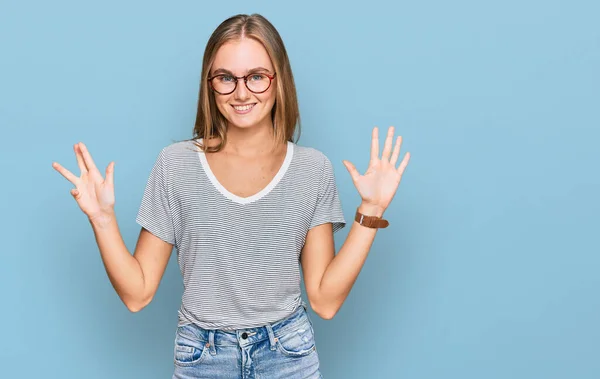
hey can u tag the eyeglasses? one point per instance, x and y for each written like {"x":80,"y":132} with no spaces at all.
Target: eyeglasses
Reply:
{"x":224,"y":84}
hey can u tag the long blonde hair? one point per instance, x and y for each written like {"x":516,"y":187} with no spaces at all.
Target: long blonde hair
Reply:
{"x":285,"y":114}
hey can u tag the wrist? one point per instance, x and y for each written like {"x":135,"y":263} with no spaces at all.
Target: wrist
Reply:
{"x":370,"y":209}
{"x":102,"y":220}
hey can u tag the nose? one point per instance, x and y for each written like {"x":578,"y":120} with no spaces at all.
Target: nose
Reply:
{"x":241,"y":92}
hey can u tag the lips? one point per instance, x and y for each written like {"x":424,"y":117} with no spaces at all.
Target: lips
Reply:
{"x":245,"y":107}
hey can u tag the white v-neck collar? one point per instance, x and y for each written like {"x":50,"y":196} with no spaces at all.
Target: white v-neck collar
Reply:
{"x":262,"y":193}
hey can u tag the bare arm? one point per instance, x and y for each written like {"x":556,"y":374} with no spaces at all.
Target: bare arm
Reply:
{"x":135,"y":277}
{"x":328,"y":277}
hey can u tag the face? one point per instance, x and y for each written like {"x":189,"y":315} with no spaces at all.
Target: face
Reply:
{"x":243,"y":108}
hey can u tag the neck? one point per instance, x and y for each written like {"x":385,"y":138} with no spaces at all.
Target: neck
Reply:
{"x":250,"y":142}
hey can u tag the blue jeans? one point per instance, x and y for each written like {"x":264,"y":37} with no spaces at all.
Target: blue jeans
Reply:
{"x":284,"y":349}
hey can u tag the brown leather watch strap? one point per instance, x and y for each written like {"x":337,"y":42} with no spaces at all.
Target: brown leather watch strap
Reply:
{"x":370,"y":221}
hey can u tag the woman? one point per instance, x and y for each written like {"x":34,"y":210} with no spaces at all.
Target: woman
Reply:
{"x":243,"y":205}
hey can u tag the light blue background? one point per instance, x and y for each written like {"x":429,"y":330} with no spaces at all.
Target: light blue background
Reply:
{"x":491,"y":267}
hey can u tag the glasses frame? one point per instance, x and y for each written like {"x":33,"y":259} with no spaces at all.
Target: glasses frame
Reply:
{"x":270,"y":76}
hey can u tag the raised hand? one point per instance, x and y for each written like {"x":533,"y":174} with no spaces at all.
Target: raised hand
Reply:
{"x":379,"y":183}
{"x":94,"y":195}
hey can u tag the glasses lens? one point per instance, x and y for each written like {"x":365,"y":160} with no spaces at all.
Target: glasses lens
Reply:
{"x":258,"y":82}
{"x":223,"y":83}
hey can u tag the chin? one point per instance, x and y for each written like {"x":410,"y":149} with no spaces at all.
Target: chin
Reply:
{"x":244,"y":124}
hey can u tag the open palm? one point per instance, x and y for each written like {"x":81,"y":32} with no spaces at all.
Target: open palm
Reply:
{"x":94,"y":195}
{"x":378,"y":185}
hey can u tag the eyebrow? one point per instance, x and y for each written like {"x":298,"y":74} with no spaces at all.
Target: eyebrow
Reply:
{"x":225,"y":71}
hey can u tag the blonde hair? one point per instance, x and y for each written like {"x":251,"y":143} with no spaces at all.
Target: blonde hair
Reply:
{"x":285,"y":114}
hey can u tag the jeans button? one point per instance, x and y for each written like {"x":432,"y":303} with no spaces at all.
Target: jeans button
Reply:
{"x":244,"y":335}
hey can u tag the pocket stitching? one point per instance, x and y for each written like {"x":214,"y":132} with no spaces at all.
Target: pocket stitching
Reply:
{"x":190,"y":363}
{"x":301,"y":353}
{"x":298,"y":354}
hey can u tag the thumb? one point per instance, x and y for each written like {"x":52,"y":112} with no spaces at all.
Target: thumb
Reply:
{"x":352,"y":170}
{"x":75,"y":193}
{"x":110,"y":174}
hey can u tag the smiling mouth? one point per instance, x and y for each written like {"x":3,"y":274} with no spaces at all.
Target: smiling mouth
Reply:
{"x":243,"y":108}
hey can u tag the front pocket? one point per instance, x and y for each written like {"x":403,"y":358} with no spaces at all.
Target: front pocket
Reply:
{"x":186,"y":355}
{"x":189,"y":349}
{"x":297,"y":342}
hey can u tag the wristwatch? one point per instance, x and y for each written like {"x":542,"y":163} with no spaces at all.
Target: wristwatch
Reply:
{"x":370,"y":221}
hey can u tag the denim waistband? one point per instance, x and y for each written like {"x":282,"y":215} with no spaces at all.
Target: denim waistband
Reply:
{"x":244,"y":337}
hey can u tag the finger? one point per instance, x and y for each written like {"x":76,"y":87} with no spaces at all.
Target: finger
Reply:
{"x":352,"y":170}
{"x":66,"y":173}
{"x":396,"y":152}
{"x":387,"y":147}
{"x":110,"y":174}
{"x":403,"y":164}
{"x":89,"y":162}
{"x":375,"y":145}
{"x":79,"y":157}
{"x":75,"y":193}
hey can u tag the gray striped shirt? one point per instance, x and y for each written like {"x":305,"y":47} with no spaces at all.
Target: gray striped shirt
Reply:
{"x":239,"y":257}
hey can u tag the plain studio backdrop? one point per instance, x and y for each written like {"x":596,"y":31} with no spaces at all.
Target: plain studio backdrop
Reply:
{"x":491,"y":266}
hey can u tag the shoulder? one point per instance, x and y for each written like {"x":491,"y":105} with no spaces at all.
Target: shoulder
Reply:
{"x":176,"y":156}
{"x":311,"y":157}
{"x":179,"y":150}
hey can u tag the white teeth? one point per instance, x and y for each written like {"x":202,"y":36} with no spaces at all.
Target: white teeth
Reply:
{"x":243,"y":107}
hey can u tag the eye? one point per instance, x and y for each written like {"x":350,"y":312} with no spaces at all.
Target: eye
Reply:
{"x":225,"y":78}
{"x":257,"y":77}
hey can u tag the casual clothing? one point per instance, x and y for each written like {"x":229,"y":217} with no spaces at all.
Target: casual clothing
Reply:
{"x":239,"y":257}
{"x":285,"y":350}
{"x":241,"y":314}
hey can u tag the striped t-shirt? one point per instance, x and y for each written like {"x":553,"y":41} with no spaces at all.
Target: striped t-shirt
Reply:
{"x":239,"y":257}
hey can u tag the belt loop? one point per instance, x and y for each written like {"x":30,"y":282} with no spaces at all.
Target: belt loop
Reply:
{"x":211,"y":342}
{"x":272,"y":338}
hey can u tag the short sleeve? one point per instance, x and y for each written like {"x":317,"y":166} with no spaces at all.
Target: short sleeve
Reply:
{"x":329,"y":207}
{"x":154,"y":213}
